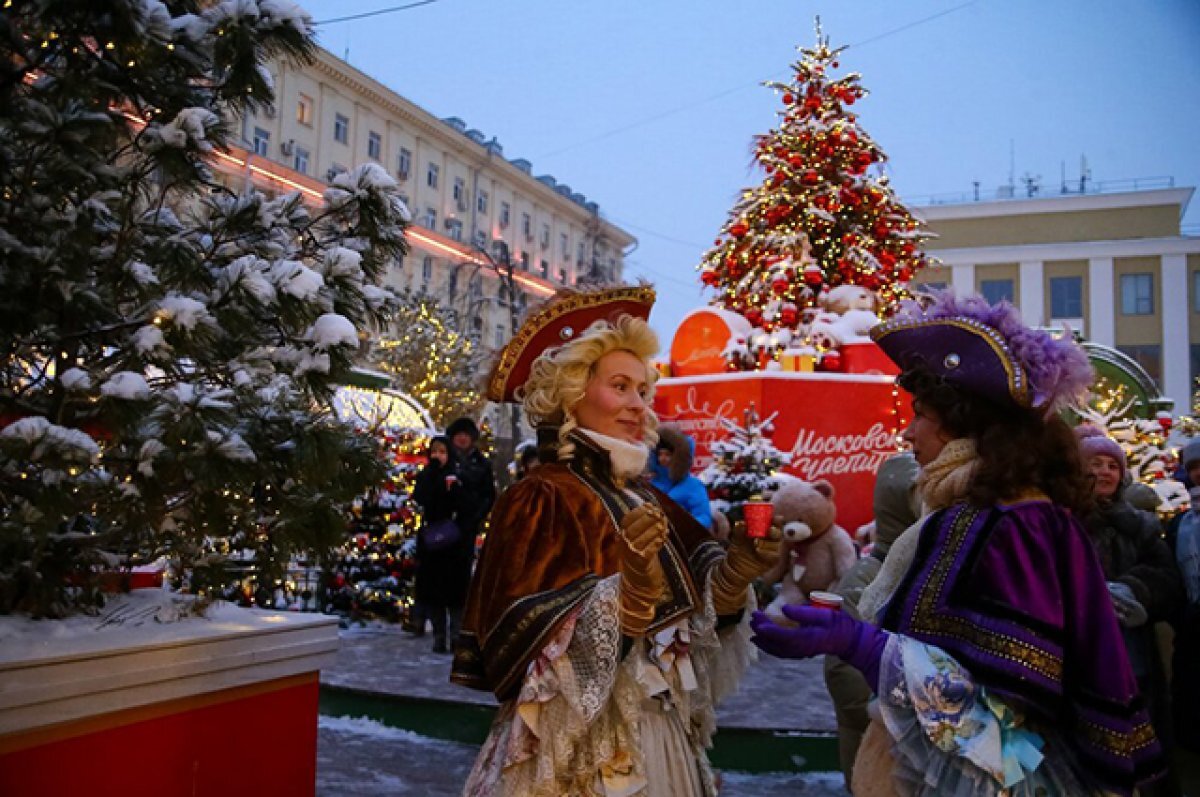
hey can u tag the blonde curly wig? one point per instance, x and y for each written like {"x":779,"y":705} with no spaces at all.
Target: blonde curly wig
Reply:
{"x":559,"y":377}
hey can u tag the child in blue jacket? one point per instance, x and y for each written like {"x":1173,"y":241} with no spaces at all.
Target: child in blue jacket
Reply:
{"x":671,"y":467}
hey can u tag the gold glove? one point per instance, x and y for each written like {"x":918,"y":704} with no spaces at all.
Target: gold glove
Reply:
{"x":746,"y":560}
{"x":643,"y":534}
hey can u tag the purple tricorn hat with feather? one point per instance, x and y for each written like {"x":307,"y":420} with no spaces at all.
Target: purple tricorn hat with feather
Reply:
{"x":986,"y":350}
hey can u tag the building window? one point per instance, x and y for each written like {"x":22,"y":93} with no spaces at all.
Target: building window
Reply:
{"x":545,"y":269}
{"x":562,"y":276}
{"x":300,"y":161}
{"x":1066,"y":297}
{"x":459,"y":193}
{"x":525,"y":261}
{"x":304,"y":110}
{"x":1196,"y":291}
{"x":1137,"y":294}
{"x":404,"y":164}
{"x":341,"y":128}
{"x":527,"y":226}
{"x":431,"y":175}
{"x":996,"y":290}
{"x":374,"y":145}
{"x":430,"y":219}
{"x":454,"y":228}
{"x":545,"y":236}
{"x":566,"y":245}
{"x":1195,"y":352}
{"x":499,"y":339}
{"x":505,"y":215}
{"x":481,"y":202}
{"x":1148,"y":356}
{"x":477,"y":327}
{"x":262,"y":141}
{"x":427,"y":268}
{"x":579,"y":253}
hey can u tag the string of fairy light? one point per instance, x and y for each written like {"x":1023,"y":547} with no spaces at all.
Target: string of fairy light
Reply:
{"x":819,"y":219}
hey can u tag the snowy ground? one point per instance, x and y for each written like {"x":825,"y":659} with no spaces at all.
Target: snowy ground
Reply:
{"x":364,"y":758}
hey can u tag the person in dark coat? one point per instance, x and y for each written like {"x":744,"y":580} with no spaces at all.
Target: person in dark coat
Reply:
{"x":442,"y":574}
{"x":1183,"y":538}
{"x":1143,"y":579}
{"x":472,"y":497}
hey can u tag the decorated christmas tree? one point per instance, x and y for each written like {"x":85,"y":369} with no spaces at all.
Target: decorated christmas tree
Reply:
{"x":430,"y":360}
{"x":823,"y":217}
{"x":745,"y":463}
{"x":169,"y":345}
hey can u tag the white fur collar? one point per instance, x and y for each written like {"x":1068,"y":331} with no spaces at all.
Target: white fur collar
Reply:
{"x":628,"y":459}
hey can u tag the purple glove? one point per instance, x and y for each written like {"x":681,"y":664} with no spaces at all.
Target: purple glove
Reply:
{"x":821,"y":631}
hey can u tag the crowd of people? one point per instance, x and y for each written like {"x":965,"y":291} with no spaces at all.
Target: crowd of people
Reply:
{"x":1006,"y":633}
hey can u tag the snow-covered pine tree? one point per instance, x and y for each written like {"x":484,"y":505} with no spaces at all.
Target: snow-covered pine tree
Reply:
{"x":169,"y":346}
{"x":745,"y":464}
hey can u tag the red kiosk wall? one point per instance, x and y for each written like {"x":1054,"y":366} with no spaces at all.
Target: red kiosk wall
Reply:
{"x":259,"y":740}
{"x":838,"y":427}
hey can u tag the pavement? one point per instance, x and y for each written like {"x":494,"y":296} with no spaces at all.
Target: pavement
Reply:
{"x":363,"y":756}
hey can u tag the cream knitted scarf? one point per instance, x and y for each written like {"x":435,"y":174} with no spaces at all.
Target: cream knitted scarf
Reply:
{"x":941,"y":483}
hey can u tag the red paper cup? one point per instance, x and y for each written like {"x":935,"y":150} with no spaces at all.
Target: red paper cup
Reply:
{"x":825,"y":600}
{"x":758,"y":515}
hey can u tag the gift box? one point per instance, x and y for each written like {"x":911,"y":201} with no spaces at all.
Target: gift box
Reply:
{"x":797,"y":360}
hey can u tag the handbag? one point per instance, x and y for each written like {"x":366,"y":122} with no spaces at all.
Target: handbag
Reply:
{"x":441,"y":535}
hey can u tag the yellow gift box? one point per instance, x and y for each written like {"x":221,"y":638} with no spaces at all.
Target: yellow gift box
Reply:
{"x":793,"y":360}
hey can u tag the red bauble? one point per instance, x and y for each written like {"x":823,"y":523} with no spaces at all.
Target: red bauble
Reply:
{"x":754,"y":316}
{"x":904,"y":274}
{"x":813,"y":276}
{"x":1166,"y":422}
{"x":788,"y":99}
{"x":810,"y":177}
{"x":796,"y":160}
{"x":886,"y":259}
{"x":738,"y":229}
{"x":863,"y":158}
{"x":834,"y":64}
{"x":788,"y":316}
{"x":780,"y":285}
{"x":831,"y":361}
{"x":709,"y":277}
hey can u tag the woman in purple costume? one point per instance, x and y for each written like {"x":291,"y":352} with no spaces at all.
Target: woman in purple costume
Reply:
{"x":994,"y":651}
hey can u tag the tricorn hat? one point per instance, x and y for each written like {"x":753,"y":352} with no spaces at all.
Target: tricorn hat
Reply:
{"x":559,"y":321}
{"x":986,"y":350}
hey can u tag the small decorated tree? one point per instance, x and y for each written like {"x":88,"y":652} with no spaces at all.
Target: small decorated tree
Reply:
{"x":823,"y":216}
{"x":430,"y":360}
{"x":745,"y":464}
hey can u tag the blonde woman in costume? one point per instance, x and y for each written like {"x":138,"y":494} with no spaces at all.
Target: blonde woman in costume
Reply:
{"x":604,"y":618}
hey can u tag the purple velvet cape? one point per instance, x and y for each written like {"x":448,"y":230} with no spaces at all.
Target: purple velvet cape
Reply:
{"x":1016,"y":595}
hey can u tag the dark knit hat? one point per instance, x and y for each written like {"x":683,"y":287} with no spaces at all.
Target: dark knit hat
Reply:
{"x":463,"y":424}
{"x":1190,"y":453}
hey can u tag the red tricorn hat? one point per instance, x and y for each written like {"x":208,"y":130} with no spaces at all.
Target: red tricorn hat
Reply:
{"x":562,"y":319}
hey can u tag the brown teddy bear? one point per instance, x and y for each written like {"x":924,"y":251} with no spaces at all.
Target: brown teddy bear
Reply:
{"x":817,"y":551}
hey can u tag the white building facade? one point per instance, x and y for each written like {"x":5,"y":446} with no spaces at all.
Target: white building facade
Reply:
{"x":1114,"y":266}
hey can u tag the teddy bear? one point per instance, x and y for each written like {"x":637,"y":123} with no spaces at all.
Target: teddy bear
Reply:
{"x":847,"y":313}
{"x":817,"y":552}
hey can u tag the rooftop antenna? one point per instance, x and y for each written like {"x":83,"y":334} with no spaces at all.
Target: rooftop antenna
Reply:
{"x":1063,"y":177}
{"x":975,"y":183}
{"x":1012,"y":163}
{"x":1085,"y":174}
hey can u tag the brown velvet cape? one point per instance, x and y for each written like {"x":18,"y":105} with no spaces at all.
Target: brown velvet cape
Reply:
{"x":552,"y":537}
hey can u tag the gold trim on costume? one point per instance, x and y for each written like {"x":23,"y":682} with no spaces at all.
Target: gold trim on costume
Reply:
{"x":927,"y":619}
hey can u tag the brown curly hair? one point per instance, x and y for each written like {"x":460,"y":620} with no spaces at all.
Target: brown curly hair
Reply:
{"x":1019,"y":449}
